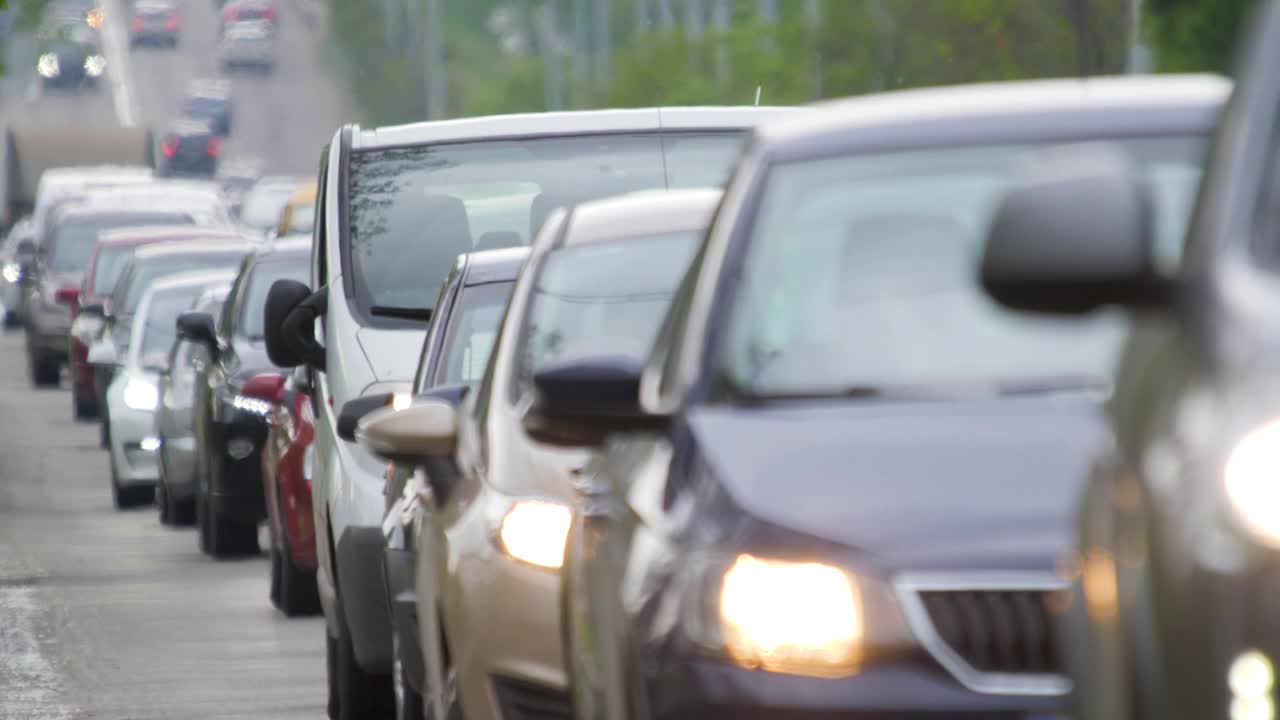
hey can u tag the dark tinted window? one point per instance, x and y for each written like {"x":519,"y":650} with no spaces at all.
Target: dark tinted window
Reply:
{"x":260,"y":282}
{"x":130,"y":290}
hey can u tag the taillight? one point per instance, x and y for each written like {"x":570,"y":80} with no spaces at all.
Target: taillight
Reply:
{"x":172,"y":21}
{"x":269,"y":14}
{"x":169,"y":147}
{"x":67,"y":295}
{"x":214,"y":147}
{"x":230,"y":14}
{"x":138,"y":24}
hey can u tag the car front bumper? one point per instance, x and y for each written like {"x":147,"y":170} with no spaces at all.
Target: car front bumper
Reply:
{"x":134,"y":464}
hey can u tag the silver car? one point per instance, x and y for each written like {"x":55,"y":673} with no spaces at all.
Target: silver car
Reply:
{"x":175,"y":425}
{"x":133,"y":395}
{"x":249,"y":44}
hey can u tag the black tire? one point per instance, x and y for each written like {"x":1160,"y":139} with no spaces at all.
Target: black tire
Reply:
{"x":361,"y":696}
{"x":202,"y":522}
{"x":134,"y":496}
{"x":408,"y":702}
{"x":44,"y":370}
{"x":274,"y":592}
{"x":162,"y":501}
{"x":229,"y":537}
{"x":331,"y":672}
{"x":299,"y":596}
{"x":83,"y":408}
{"x":12,"y":319}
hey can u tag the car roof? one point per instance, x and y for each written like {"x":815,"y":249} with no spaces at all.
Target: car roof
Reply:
{"x":577,"y":122}
{"x":140,"y":235}
{"x":69,"y":176}
{"x":247,"y":30}
{"x":1003,"y":111}
{"x":154,"y":4}
{"x":80,"y":209}
{"x":190,"y":247}
{"x":190,"y":126}
{"x":488,"y":266}
{"x":195,"y":278}
{"x":649,"y":212}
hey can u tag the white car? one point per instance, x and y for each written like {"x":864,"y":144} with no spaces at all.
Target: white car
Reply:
{"x":249,"y":44}
{"x":133,"y":395}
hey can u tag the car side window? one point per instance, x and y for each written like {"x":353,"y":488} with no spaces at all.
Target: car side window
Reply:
{"x":434,"y":332}
{"x":667,"y":351}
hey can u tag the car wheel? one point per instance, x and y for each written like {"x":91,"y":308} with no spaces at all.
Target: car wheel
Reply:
{"x":45,"y":371}
{"x":331,"y":672}
{"x":274,"y":593}
{"x":133,"y":496}
{"x":229,"y":537}
{"x":83,"y":407}
{"x":162,"y":499}
{"x":12,"y":319}
{"x":408,"y":701}
{"x":361,"y":696}
{"x":298,"y":593}
{"x":202,"y":521}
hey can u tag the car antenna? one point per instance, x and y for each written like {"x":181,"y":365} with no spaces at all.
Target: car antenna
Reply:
{"x":758,"y":89}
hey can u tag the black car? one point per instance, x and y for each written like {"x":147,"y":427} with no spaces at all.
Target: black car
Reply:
{"x":210,"y":101}
{"x":155,"y":22}
{"x":454,"y":356}
{"x":1178,"y":556}
{"x":190,"y":148}
{"x":842,"y":483}
{"x":229,"y":427}
{"x":70,"y":56}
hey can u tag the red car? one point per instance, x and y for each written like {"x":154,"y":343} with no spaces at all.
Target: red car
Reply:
{"x":287,"y":487}
{"x":111,"y":255}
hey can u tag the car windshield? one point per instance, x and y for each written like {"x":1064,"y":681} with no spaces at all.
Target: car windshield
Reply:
{"x":73,"y":239}
{"x":473,"y":328}
{"x":264,"y":275}
{"x":263,"y":205}
{"x":133,"y":285}
{"x":112,"y":260}
{"x":160,"y":328}
{"x":414,"y":210}
{"x":603,"y":298}
{"x":205,"y":105}
{"x":863,"y":271}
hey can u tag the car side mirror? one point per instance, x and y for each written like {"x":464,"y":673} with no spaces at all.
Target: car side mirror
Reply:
{"x":426,"y":430}
{"x":290,"y":324}
{"x":264,"y":386}
{"x":94,"y":310}
{"x":578,"y":403}
{"x":1075,"y":233}
{"x":198,"y":327}
{"x":354,"y":410}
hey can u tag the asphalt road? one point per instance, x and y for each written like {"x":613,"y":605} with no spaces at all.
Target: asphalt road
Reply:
{"x":108,"y":615}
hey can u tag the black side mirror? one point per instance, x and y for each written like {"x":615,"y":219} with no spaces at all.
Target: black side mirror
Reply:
{"x":579,"y":402}
{"x":1074,"y":234}
{"x":289,"y":324}
{"x":198,"y":328}
{"x":353,"y":410}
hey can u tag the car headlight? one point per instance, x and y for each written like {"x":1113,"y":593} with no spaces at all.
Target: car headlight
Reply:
{"x":779,"y":615}
{"x":94,"y":65}
{"x":12,"y":271}
{"x":534,"y":531}
{"x":251,"y":405}
{"x":1250,"y":477}
{"x":47,"y":66}
{"x":141,"y":395}
{"x":86,"y":328}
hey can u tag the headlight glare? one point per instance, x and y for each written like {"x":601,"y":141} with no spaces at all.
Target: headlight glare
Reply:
{"x":534,"y":531}
{"x":251,"y":405}
{"x":141,"y":395}
{"x":12,"y":271}
{"x":94,"y":65}
{"x":47,"y":66}
{"x":796,"y":617}
{"x":1252,"y":479}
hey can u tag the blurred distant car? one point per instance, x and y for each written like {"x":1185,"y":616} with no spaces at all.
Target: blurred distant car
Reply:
{"x":267,"y":200}
{"x":53,"y":286}
{"x":235,"y":177}
{"x":241,"y":11}
{"x":210,"y":101}
{"x":287,"y":457}
{"x":248,"y":45}
{"x":70,"y":57}
{"x":17,"y":253}
{"x":190,"y":148}
{"x":57,"y":184}
{"x":175,"y":388}
{"x":155,"y":22}
{"x":111,"y":256}
{"x":230,"y":428}
{"x":133,"y":396}
{"x":299,"y":215}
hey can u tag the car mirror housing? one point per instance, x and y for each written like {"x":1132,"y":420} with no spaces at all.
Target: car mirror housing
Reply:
{"x":354,"y":410}
{"x":289,"y":325}
{"x":578,"y":403}
{"x":426,"y":430}
{"x":198,"y":327}
{"x":1073,"y":234}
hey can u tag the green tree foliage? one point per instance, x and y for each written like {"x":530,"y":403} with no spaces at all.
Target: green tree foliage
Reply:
{"x":1196,"y":35}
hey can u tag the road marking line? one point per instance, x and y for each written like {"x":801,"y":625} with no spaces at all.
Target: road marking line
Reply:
{"x":118,"y":71}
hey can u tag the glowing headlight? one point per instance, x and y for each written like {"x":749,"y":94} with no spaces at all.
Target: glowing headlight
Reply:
{"x":400,"y":400}
{"x":94,"y":65}
{"x":141,"y":395}
{"x":1251,"y":482}
{"x":534,"y":531}
{"x":251,"y":405}
{"x":791,"y":617}
{"x":11,"y":272}
{"x":47,"y":66}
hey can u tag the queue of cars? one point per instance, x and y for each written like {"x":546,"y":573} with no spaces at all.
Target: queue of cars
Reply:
{"x":729,"y":412}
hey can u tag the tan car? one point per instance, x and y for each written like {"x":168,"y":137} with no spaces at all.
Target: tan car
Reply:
{"x":491,"y":535}
{"x":299,"y":215}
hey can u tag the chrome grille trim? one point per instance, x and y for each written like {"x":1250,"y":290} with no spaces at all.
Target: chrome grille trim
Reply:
{"x":908,"y":588}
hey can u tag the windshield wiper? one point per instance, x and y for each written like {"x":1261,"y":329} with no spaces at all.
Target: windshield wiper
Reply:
{"x":423,"y":314}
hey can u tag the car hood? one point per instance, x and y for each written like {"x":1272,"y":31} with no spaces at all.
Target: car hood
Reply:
{"x":986,"y":484}
{"x":392,"y":354}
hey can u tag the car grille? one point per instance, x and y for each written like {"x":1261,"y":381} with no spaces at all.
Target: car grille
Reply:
{"x":996,"y":637}
{"x":996,"y":631}
{"x":520,"y":700}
